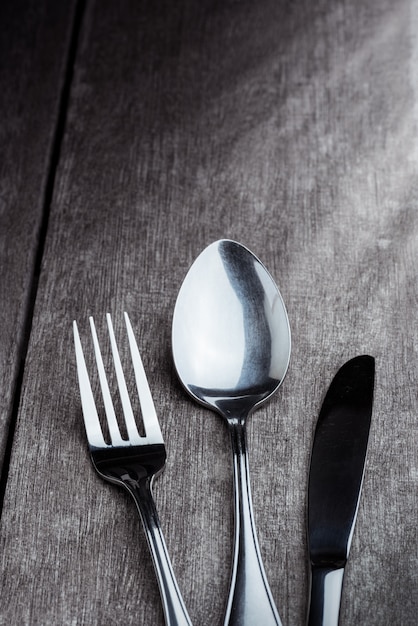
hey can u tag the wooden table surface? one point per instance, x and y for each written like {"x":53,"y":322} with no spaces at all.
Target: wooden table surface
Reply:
{"x":134,"y":134}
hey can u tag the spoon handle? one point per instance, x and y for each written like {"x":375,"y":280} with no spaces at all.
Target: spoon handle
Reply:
{"x":250,"y":601}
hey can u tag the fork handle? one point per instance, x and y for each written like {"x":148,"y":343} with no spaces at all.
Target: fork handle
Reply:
{"x":175,"y":612}
{"x":250,"y":600}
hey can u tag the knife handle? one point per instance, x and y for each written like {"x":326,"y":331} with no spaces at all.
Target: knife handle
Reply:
{"x":326,"y":588}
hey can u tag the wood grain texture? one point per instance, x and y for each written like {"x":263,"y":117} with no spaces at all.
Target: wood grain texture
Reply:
{"x":34,"y":39}
{"x":291,"y":127}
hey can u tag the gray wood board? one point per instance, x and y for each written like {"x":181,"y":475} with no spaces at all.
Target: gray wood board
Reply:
{"x":34,"y":41}
{"x":290,"y":127}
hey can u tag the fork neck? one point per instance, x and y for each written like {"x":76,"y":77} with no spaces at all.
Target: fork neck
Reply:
{"x":175,"y":612}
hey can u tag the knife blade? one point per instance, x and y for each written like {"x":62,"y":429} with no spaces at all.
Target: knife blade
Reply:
{"x":335,"y":480}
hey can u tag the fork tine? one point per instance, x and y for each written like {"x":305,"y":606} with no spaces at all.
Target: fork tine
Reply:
{"x":133,"y":435}
{"x":91,"y":419}
{"x":107,"y":398}
{"x":149,"y":415}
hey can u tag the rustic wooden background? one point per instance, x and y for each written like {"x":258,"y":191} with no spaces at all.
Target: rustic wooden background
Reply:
{"x":132,"y":135}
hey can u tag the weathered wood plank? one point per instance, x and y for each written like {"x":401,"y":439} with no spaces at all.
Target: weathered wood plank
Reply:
{"x":290,"y":127}
{"x":34,"y":42}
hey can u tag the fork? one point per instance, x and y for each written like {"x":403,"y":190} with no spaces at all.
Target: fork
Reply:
{"x":134,"y":462}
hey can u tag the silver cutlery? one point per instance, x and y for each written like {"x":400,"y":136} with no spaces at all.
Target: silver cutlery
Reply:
{"x":231,"y":349}
{"x":335,"y":481}
{"x":134,"y":461}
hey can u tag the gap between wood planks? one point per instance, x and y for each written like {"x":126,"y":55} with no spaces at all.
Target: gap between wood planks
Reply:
{"x":48,"y":193}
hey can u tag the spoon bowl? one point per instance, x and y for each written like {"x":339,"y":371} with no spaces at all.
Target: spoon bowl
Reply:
{"x":231,"y":336}
{"x":231,"y":348}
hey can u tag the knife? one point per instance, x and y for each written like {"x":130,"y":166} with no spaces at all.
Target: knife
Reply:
{"x":335,"y":480}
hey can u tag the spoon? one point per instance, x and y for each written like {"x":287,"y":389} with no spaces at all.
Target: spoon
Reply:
{"x":231,"y":349}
